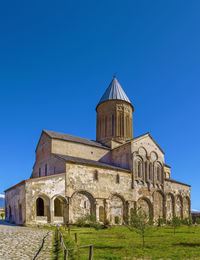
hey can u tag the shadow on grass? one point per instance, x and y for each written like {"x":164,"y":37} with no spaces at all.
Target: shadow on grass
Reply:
{"x":56,"y":247}
{"x":187,"y":244}
{"x":108,"y":247}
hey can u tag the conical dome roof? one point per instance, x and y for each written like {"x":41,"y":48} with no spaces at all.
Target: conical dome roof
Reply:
{"x":114,"y":91}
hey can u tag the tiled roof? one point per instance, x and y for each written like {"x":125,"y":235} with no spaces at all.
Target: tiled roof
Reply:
{"x":88,"y":162}
{"x":75,"y":139}
{"x":114,"y":91}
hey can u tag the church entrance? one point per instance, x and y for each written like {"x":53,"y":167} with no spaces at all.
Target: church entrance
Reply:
{"x":40,"y":207}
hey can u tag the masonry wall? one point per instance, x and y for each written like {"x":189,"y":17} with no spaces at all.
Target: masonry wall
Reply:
{"x":121,"y":156}
{"x":16,"y":204}
{"x":46,"y":188}
{"x":79,"y":150}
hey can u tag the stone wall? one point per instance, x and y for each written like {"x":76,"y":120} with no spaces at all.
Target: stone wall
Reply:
{"x":79,"y":150}
{"x":15,"y":204}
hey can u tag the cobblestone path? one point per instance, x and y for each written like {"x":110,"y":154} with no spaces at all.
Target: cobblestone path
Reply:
{"x":23,"y":243}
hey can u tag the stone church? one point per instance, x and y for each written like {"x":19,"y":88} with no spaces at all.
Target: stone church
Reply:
{"x":109,"y":177}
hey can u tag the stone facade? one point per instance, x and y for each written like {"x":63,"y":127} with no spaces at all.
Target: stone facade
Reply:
{"x":108,"y":178}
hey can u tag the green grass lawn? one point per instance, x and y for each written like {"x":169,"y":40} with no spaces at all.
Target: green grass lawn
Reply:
{"x":121,"y":243}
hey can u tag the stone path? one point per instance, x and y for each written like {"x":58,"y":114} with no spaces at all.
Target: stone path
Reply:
{"x":23,"y":243}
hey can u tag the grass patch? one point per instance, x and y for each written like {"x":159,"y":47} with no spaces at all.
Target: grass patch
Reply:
{"x":120,"y":243}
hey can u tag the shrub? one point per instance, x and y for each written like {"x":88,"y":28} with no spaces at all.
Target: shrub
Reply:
{"x":117,"y":220}
{"x":106,"y":222}
{"x":81,"y":222}
{"x":96,"y":225}
{"x":88,"y":220}
{"x":198,"y":221}
{"x":2,"y":215}
{"x":160,"y":222}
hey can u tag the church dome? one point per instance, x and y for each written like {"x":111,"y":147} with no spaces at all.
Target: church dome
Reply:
{"x":113,"y":92}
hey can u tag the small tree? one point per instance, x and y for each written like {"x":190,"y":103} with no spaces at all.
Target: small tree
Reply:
{"x":188,"y":222}
{"x":176,"y":222}
{"x":140,"y":222}
{"x":2,"y":215}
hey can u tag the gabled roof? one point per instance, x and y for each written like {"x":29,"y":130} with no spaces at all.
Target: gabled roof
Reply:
{"x":89,"y":162}
{"x":138,"y":138}
{"x":114,"y":91}
{"x":75,"y":139}
{"x":145,"y":135}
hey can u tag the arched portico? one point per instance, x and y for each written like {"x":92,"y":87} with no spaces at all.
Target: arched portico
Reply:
{"x":42,"y":208}
{"x":145,"y":205}
{"x":81,"y":204}
{"x":158,"y":204}
{"x":59,"y":209}
{"x":116,"y":209}
{"x":170,"y":206}
{"x":179,"y":206}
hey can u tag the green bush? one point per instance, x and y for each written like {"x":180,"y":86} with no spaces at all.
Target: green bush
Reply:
{"x":198,"y":221}
{"x":160,"y":222}
{"x":88,"y":221}
{"x":2,"y":215}
{"x":81,"y":222}
{"x":106,"y":222}
{"x":117,"y":220}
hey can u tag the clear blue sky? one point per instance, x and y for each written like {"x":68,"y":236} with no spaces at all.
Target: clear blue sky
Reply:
{"x":58,"y":57}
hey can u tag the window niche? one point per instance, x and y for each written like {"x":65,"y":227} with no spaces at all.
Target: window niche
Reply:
{"x":117,"y":179}
{"x":139,"y":168}
{"x":96,"y":177}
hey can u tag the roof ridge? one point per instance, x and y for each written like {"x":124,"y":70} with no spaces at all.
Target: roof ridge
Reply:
{"x":72,"y":138}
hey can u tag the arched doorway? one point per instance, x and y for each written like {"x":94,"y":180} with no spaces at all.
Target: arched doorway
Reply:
{"x":58,"y":207}
{"x":40,"y":207}
{"x":169,"y":206}
{"x":186,"y":207}
{"x":82,"y":204}
{"x":145,"y":205}
{"x":178,"y":207}
{"x":116,"y":209}
{"x":158,"y":204}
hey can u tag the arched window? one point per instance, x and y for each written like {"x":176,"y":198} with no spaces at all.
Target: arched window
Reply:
{"x":113,"y":125}
{"x":150,"y":172}
{"x":40,"y":207}
{"x":158,"y":173}
{"x":127,"y":126}
{"x":139,"y":168}
{"x":117,"y":178}
{"x":105,"y":126}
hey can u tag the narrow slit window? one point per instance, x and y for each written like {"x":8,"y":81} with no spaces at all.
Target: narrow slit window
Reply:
{"x":117,"y":179}
{"x":96,"y":175}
